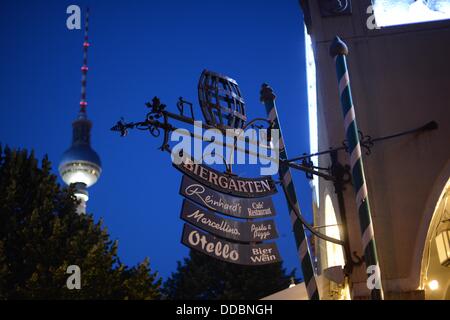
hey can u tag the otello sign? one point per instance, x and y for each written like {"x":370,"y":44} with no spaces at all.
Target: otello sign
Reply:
{"x":245,"y":254}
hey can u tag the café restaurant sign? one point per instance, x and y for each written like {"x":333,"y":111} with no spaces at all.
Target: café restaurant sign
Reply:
{"x":227,"y":183}
{"x":246,"y":208}
{"x":245,"y":254}
{"x":254,"y":231}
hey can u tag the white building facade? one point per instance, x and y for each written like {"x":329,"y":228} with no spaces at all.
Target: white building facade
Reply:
{"x":400,"y":79}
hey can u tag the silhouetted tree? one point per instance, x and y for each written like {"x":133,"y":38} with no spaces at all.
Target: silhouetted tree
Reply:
{"x":41,"y":235}
{"x":202,"y":277}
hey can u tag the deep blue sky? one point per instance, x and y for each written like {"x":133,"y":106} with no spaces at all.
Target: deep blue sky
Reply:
{"x":140,"y":49}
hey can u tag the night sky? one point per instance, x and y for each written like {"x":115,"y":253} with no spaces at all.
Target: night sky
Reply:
{"x":140,"y":49}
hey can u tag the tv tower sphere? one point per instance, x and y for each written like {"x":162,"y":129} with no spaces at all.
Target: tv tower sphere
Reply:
{"x":80,"y":163}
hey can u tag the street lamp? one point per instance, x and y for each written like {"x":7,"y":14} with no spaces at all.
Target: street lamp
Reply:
{"x":433,"y":285}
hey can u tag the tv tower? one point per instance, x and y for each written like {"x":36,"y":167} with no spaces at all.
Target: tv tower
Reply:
{"x":80,"y":165}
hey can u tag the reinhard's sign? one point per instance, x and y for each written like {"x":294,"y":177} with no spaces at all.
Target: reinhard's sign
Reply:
{"x":246,"y":208}
{"x":226,"y":228}
{"x":245,"y":254}
{"x":227,"y":183}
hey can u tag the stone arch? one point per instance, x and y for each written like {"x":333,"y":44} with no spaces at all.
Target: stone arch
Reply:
{"x":427,"y":226}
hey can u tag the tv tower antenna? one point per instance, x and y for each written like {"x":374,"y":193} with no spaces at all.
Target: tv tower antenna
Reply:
{"x":84,"y":67}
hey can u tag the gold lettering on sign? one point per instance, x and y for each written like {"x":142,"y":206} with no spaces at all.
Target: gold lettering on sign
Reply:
{"x":213,"y":177}
{"x":232,"y":185}
{"x":223,"y":182}
{"x":266,"y":185}
{"x":242,"y":187}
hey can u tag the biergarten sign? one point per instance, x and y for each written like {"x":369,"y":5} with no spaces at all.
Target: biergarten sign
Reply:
{"x":245,"y":208}
{"x":248,"y":231}
{"x":216,"y":203}
{"x":225,"y":182}
{"x":245,"y":254}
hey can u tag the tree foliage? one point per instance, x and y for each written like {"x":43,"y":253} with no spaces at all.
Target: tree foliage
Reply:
{"x":202,"y":277}
{"x":41,"y":235}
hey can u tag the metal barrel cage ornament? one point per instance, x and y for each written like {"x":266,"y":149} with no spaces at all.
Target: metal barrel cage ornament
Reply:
{"x":222,"y":211}
{"x":221,"y":101}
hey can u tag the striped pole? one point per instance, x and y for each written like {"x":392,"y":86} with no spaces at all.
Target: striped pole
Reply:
{"x":268,"y":98}
{"x":339,"y":51}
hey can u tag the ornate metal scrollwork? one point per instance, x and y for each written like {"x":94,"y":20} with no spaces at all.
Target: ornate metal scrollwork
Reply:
{"x":365,"y":141}
{"x":155,"y":121}
{"x":180,"y":105}
{"x":307,"y":162}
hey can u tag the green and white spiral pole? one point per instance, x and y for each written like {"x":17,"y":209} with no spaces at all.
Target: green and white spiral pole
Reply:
{"x":339,"y":51}
{"x":268,"y":98}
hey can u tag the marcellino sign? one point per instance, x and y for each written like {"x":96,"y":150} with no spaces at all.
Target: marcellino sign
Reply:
{"x":226,"y":228}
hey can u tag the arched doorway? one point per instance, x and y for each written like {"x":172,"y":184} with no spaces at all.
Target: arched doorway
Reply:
{"x":435,"y":277}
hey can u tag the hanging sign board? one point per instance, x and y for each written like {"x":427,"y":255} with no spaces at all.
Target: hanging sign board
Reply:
{"x":246,"y":208}
{"x":227,"y":183}
{"x":245,"y":254}
{"x":226,"y":228}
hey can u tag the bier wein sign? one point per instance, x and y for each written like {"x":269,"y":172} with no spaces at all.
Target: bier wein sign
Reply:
{"x":227,"y":183}
{"x":251,"y":255}
{"x":226,"y":228}
{"x":246,"y":208}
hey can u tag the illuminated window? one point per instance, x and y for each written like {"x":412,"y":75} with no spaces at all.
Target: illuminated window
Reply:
{"x":398,"y":12}
{"x":335,"y":255}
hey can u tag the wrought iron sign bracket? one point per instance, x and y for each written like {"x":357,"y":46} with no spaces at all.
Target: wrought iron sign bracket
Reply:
{"x":340,"y":175}
{"x":223,"y":108}
{"x":367,"y":142}
{"x":154,"y":125}
{"x":159,"y":119}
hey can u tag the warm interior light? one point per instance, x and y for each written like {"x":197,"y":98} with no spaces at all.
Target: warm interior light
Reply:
{"x":335,"y":255}
{"x":433,"y":285}
{"x":443,"y":247}
{"x":442,"y":239}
